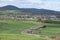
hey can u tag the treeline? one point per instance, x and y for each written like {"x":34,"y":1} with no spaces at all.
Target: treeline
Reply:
{"x":52,"y":21}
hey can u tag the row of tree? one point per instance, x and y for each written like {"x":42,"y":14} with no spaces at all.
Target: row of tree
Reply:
{"x":48,"y":21}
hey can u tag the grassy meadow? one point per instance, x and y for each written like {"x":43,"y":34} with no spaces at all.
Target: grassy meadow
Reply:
{"x":14,"y":27}
{"x":51,"y":30}
{"x":11,"y":30}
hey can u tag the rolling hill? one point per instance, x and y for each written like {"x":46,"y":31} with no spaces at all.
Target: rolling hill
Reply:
{"x":9,"y":7}
{"x":30,"y":10}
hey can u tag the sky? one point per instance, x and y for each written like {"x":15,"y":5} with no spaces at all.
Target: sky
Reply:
{"x":39,"y":4}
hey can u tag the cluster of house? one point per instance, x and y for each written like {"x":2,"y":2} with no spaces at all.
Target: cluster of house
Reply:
{"x":52,"y":17}
{"x":44,"y":17}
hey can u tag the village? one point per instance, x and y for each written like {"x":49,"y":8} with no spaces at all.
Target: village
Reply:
{"x":43,"y":17}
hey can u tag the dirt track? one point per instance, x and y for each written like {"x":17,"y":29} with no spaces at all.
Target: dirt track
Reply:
{"x":28,"y":32}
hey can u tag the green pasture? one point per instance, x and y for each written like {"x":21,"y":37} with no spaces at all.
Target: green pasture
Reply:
{"x":20,"y":37}
{"x":14,"y":27}
{"x":11,"y":30}
{"x":50,"y":30}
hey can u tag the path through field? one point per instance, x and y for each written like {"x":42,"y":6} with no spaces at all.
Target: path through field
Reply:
{"x":28,"y":32}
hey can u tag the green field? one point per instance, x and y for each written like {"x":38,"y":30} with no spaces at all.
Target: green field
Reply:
{"x":51,"y":30}
{"x":20,"y":37}
{"x":14,"y":27}
{"x":11,"y":30}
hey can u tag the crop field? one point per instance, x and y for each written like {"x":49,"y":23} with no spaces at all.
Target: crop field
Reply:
{"x":11,"y":30}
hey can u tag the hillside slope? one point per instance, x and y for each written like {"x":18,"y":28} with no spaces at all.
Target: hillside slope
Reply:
{"x":30,"y":10}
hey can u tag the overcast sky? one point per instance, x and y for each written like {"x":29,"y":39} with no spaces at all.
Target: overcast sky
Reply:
{"x":45,"y":4}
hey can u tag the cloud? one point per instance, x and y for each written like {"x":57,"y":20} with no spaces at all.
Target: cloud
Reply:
{"x":51,"y":5}
{"x":7,"y":0}
{"x":46,"y":4}
{"x":23,"y":2}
